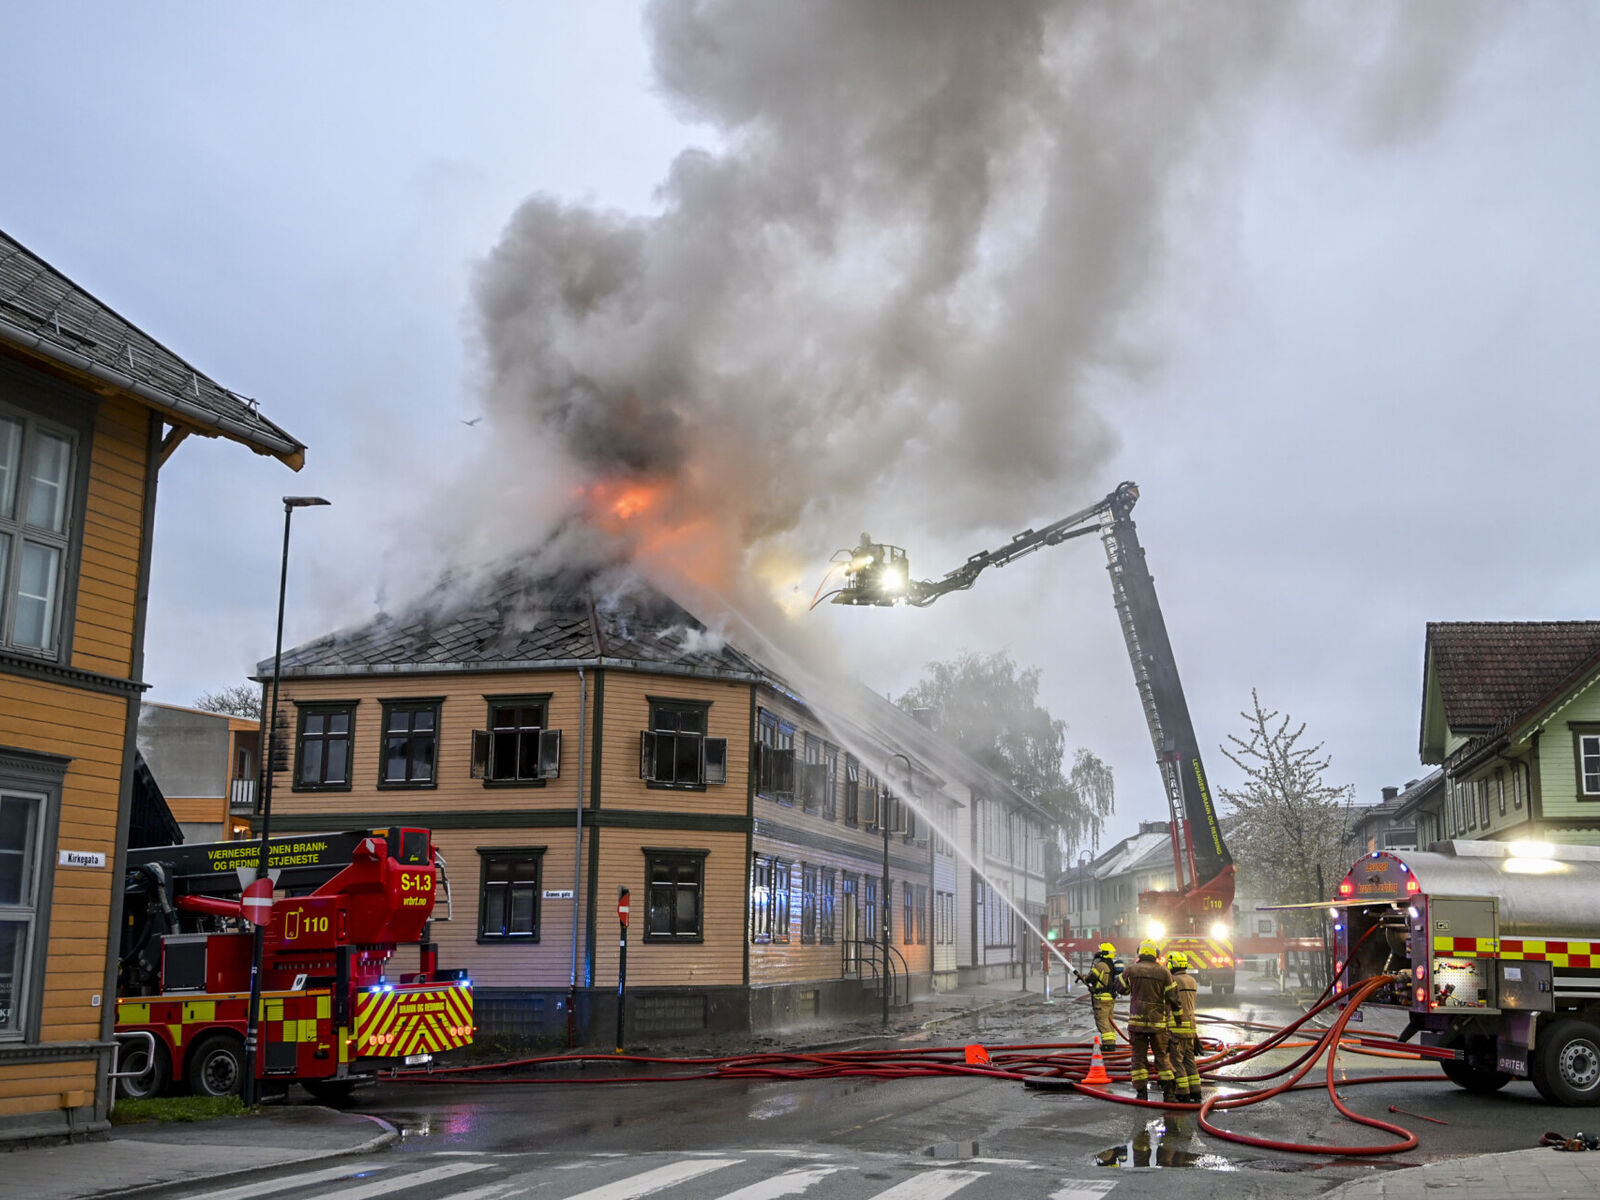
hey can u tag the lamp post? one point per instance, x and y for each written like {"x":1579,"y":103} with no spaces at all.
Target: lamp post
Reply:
{"x":247,"y":1084}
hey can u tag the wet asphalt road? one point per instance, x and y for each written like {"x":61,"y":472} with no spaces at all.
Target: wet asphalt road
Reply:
{"x":908,"y":1139}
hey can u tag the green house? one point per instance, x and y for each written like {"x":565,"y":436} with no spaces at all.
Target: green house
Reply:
{"x":1511,"y":712}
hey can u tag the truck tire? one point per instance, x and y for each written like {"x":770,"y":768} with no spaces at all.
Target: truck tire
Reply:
{"x":214,"y":1065}
{"x":151,"y":1084}
{"x":1478,"y":1080}
{"x":336,"y":1092}
{"x":1565,"y":1066}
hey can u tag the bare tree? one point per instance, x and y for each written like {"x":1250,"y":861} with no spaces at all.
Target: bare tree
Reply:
{"x":1292,"y":827}
{"x":240,"y":700}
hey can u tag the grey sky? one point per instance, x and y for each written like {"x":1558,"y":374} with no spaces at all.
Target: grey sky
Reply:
{"x":1369,"y":327}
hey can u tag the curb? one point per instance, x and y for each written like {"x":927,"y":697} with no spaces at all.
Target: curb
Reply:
{"x":388,"y":1136}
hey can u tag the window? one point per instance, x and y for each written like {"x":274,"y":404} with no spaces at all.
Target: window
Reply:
{"x":852,"y":790}
{"x":1589,"y":764}
{"x":869,"y":909}
{"x":1516,"y":787}
{"x":818,"y":777}
{"x":410,"y":742}
{"x":516,"y":749}
{"x":508,"y":901}
{"x":909,"y":914}
{"x":808,"y":903}
{"x":774,"y":758}
{"x":1480,"y":788}
{"x":1500,"y":787}
{"x":825,"y":906}
{"x":323,"y":748}
{"x":673,"y":904}
{"x":1264,"y":926}
{"x":922,"y":914}
{"x":36,"y":510}
{"x":675,"y":751}
{"x":769,"y":899}
{"x":19,"y":897}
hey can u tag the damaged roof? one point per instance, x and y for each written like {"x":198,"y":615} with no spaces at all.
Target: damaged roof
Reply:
{"x":46,"y":317}
{"x":1491,"y":674}
{"x":517,"y":619}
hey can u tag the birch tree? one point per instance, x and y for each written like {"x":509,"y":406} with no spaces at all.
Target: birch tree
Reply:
{"x":1290,"y":832}
{"x":240,"y":700}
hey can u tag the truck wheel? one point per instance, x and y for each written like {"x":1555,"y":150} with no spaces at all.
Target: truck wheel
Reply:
{"x":1477,"y":1080}
{"x":1566,"y":1064}
{"x":215,"y":1065}
{"x":330,"y":1091}
{"x":154,"y":1082}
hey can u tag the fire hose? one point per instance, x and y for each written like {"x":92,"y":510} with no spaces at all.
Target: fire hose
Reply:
{"x":1042,"y":1065}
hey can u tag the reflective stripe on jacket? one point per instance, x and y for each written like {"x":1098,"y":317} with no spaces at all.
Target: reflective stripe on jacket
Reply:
{"x":1149,"y":984}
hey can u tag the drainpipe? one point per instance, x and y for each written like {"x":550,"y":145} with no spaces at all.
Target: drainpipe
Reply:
{"x":577,"y":864}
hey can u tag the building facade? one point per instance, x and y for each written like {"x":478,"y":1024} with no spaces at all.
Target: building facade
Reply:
{"x":1511,"y":715}
{"x":90,"y":408}
{"x":207,"y":765}
{"x":564,"y":750}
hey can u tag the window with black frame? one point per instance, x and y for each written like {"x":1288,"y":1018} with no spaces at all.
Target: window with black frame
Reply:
{"x":852,"y":790}
{"x":775,"y":765}
{"x":909,"y":903}
{"x":827,"y":886}
{"x":508,"y":899}
{"x":37,"y":461}
{"x":410,"y":742}
{"x":674,"y":895}
{"x":808,"y":904}
{"x":516,"y":748}
{"x":20,"y":815}
{"x":322,"y":750}
{"x":675,"y":751}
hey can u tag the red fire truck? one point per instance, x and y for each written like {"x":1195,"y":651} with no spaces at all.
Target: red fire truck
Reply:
{"x":332,"y":1013}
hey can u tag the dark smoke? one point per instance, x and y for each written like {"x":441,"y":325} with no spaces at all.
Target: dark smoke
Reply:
{"x":919,"y":247}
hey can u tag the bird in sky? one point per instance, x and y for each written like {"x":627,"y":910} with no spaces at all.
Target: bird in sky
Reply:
{"x":474,"y":421}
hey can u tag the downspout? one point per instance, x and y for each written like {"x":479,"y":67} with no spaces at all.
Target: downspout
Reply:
{"x":577,"y":864}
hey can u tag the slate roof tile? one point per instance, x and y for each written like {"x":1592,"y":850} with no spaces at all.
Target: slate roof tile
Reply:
{"x":1492,"y":673}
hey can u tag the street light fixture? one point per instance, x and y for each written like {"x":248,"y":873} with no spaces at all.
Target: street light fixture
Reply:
{"x":247,"y":1084}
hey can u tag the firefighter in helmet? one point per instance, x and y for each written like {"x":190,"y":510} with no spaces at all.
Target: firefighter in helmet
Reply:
{"x":1105,"y":982}
{"x":1183,"y":1035}
{"x":1149,"y":987}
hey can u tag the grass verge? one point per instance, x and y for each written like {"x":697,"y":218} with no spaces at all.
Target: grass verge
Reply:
{"x":176,"y":1108}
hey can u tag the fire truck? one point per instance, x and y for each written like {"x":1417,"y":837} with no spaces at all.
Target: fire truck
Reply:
{"x":334,"y":1010}
{"x":1495,"y":952}
{"x":1197,"y":915}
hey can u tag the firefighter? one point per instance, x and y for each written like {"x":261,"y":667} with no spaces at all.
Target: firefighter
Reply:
{"x":1183,"y":1036}
{"x":1150,"y":989}
{"x":1105,"y":982}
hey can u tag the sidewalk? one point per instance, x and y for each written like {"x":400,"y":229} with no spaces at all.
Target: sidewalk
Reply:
{"x":136,"y":1158}
{"x":1544,"y":1173}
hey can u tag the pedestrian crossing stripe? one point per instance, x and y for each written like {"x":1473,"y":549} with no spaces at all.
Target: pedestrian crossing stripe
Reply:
{"x":1561,"y":952}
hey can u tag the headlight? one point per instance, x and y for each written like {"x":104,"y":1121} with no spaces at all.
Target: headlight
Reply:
{"x":1220,"y":929}
{"x":1157,"y":931}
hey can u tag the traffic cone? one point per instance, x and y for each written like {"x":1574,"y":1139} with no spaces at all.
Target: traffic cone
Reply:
{"x":1097,"y":1066}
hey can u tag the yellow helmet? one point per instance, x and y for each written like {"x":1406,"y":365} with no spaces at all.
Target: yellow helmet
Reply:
{"x":1149,"y":950}
{"x":1178,"y":961}
{"x":1108,"y":949}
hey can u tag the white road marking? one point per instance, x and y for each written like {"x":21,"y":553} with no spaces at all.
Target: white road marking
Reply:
{"x":503,"y":1190}
{"x":647,"y":1182}
{"x":400,"y":1183}
{"x":250,"y":1191}
{"x":790,"y":1183}
{"x":1084,"y":1189}
{"x":931,"y":1185}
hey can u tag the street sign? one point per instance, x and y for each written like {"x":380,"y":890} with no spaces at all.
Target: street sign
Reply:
{"x":82,"y":858}
{"x":622,"y":906}
{"x":558,"y":894}
{"x":257,"y":901}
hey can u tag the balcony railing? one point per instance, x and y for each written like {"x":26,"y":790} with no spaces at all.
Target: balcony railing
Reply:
{"x":242,"y":797}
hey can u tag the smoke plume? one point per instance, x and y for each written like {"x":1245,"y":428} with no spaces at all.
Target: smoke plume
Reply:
{"x":923,"y":236}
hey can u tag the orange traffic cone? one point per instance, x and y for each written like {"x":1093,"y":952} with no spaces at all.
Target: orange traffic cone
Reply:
{"x":1097,"y":1066}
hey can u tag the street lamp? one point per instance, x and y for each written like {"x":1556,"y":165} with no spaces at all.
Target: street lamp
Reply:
{"x":247,"y":1085}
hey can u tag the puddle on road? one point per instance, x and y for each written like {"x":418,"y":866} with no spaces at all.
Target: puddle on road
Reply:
{"x":952,"y":1150}
{"x":1155,"y":1145}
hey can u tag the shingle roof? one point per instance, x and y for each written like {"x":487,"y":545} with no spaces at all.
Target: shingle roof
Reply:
{"x":1491,"y":673}
{"x":517,"y":617}
{"x":45,"y":314}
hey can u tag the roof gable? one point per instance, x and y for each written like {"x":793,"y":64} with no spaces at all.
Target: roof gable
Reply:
{"x":1484,"y":676}
{"x":45,"y":317}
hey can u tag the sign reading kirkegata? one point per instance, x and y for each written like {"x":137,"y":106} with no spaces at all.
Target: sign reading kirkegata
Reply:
{"x":82,"y":858}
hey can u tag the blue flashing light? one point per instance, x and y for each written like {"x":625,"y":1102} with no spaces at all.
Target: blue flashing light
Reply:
{"x":1405,"y":868}
{"x":1338,"y":928}
{"x":1375,"y":853}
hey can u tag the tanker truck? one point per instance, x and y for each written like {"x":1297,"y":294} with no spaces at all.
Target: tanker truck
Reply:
{"x":1495,"y":950}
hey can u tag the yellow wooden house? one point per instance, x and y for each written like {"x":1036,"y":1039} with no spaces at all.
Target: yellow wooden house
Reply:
{"x":90,"y":409}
